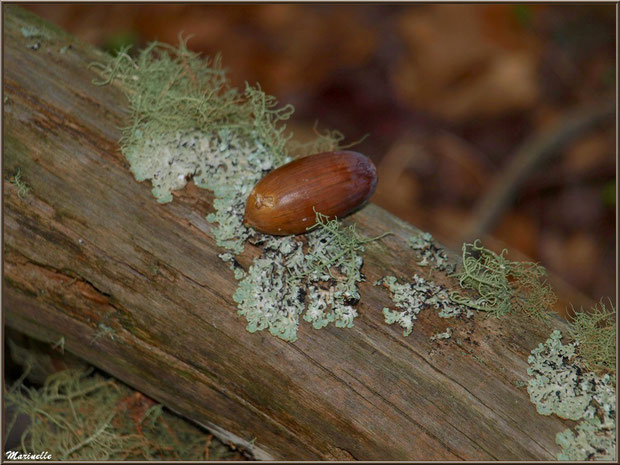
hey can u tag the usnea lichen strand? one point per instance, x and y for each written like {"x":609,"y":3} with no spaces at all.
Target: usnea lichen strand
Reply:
{"x":187,"y":122}
{"x":503,"y":286}
{"x":595,"y":333}
{"x":80,"y":416}
{"x":23,"y":189}
{"x":173,"y":90}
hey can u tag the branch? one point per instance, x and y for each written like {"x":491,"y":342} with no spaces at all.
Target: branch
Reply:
{"x":533,"y":154}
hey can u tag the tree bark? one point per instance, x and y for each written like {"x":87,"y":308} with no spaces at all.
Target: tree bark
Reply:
{"x":136,"y":288}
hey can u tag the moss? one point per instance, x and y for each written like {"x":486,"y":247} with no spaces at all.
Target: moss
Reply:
{"x":503,"y":286}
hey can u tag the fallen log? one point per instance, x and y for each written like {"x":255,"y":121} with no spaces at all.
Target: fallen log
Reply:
{"x":137,"y":289}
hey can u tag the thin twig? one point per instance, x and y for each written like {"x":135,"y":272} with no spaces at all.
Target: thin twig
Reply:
{"x":532,"y":154}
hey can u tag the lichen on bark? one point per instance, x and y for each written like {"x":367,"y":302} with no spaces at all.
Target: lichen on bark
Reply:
{"x":188,"y":123}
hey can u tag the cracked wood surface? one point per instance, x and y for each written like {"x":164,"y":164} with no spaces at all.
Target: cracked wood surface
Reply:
{"x":136,"y":288}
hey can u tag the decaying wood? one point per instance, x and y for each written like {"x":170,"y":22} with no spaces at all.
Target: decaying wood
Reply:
{"x":136,"y":288}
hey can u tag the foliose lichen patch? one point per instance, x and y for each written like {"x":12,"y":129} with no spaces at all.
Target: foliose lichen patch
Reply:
{"x":323,"y":269}
{"x":560,"y":385}
{"x":431,"y":253}
{"x":415,"y":296}
{"x":222,"y":161}
{"x":447,"y":334}
{"x":594,"y":440}
{"x":187,"y":122}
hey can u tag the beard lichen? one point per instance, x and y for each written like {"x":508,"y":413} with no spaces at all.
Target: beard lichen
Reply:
{"x":78,"y":415}
{"x":561,"y":385}
{"x":595,"y":333}
{"x":23,"y":189}
{"x":504,"y":286}
{"x":187,"y":122}
{"x":173,"y":90}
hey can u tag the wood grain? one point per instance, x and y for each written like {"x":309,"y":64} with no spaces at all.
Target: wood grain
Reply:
{"x":89,"y":248}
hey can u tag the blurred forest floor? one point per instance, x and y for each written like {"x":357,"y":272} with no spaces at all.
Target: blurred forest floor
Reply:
{"x":446,"y":93}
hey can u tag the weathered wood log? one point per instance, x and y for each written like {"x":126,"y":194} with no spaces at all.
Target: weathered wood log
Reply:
{"x":136,"y":288}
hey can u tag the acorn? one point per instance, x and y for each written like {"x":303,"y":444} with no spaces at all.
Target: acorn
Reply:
{"x":333,"y":183}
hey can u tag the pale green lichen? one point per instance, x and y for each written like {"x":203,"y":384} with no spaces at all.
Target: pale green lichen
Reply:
{"x":32,"y":31}
{"x":595,"y":332}
{"x":222,"y":162}
{"x":273,"y":294}
{"x":447,"y":334}
{"x":556,"y":384}
{"x":503,"y":286}
{"x":173,"y":90}
{"x":431,"y":253}
{"x":79,"y":416}
{"x":560,"y":385}
{"x":414,"y":297}
{"x":23,"y":189}
{"x":102,"y":332}
{"x":60,"y":345}
{"x":593,"y":441}
{"x":188,"y":123}
{"x":263,"y":296}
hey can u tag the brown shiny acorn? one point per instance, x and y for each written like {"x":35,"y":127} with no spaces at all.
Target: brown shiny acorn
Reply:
{"x":332,"y":183}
